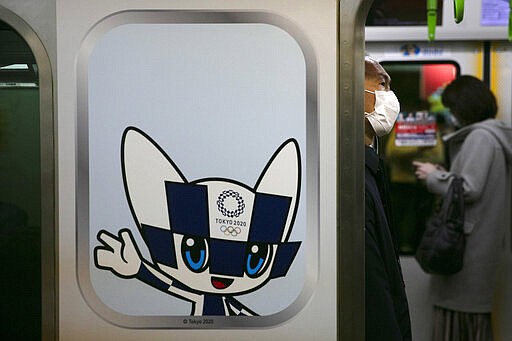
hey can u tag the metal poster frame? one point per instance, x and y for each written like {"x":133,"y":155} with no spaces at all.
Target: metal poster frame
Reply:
{"x":82,"y":184}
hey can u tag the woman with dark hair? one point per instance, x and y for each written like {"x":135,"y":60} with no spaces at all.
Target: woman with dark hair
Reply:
{"x":480,"y":151}
{"x":469,"y":100}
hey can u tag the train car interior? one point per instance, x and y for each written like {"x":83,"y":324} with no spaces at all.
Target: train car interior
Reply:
{"x":222,"y":96}
{"x":421,"y":62}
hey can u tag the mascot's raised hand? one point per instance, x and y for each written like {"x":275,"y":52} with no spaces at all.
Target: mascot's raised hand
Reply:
{"x":118,"y":253}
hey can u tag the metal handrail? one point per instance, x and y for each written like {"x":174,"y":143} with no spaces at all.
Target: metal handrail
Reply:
{"x":458,"y":12}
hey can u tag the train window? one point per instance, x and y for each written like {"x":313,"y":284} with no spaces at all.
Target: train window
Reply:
{"x":20,"y":189}
{"x":401,"y":13}
{"x":195,"y":111}
{"x":18,"y":75}
{"x":416,"y":136}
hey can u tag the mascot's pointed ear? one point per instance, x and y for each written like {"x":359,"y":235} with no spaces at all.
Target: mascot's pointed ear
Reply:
{"x":145,"y":167}
{"x":281,"y":176}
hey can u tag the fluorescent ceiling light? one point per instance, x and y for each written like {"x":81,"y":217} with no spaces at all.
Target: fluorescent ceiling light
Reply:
{"x":15,"y":67}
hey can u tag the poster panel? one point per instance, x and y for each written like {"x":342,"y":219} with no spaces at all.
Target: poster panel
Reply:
{"x":197,"y":135}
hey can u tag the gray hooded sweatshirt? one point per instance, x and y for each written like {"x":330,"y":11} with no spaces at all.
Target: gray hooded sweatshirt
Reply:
{"x":481,"y":154}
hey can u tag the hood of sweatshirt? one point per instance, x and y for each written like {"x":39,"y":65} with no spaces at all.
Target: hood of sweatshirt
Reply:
{"x":499,"y":129}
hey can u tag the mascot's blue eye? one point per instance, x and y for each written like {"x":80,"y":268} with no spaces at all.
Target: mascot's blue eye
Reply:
{"x":194,"y":251}
{"x":258,"y":259}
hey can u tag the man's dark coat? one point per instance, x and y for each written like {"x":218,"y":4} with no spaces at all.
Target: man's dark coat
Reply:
{"x":386,"y":308}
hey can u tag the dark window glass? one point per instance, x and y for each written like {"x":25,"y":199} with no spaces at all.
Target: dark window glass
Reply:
{"x":20,"y":190}
{"x":401,"y":13}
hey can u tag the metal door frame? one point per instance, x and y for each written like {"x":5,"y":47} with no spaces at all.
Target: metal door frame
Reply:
{"x":350,"y":169}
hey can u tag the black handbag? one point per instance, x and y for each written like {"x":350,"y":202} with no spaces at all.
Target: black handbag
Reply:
{"x":441,"y":249}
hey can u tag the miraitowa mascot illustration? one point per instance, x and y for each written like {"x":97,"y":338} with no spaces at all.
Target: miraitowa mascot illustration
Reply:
{"x":209,"y":239}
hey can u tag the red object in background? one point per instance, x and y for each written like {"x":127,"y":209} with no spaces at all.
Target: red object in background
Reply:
{"x":435,"y":75}
{"x":415,"y":128}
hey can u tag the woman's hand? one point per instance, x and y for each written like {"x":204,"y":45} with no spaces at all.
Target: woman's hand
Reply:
{"x":423,"y":169}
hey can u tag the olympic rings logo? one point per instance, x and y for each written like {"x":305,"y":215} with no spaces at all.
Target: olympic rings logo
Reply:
{"x":230,"y":230}
{"x":239,"y":201}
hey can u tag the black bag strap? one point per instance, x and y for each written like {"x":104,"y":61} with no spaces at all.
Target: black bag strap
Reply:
{"x":453,"y":202}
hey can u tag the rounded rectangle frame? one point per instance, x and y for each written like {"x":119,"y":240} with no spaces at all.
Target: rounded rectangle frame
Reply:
{"x":82,"y":183}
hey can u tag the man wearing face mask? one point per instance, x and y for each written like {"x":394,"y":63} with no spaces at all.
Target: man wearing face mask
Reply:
{"x":386,"y":308}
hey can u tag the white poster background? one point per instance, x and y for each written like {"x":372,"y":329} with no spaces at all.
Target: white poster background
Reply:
{"x":219,"y":99}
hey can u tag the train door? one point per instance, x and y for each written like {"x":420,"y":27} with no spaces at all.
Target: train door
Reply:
{"x":26,"y":183}
{"x":195,"y":121}
{"x":419,"y":72}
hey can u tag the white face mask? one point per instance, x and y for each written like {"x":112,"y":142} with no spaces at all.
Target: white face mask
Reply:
{"x":387,"y":107}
